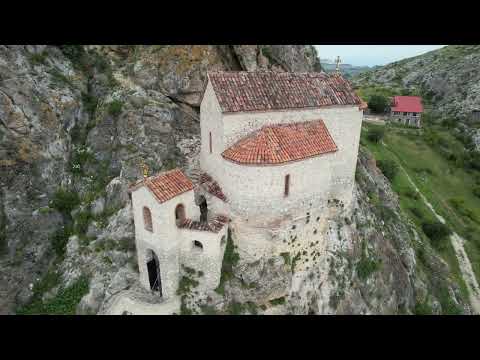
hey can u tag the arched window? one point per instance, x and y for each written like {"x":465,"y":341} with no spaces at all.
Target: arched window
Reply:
{"x":197,"y":245}
{"x":147,"y":219}
{"x":179,"y":214}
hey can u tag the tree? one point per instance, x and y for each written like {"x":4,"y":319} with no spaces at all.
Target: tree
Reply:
{"x":378,"y":104}
{"x":436,"y":232}
{"x":389,"y":168}
{"x":376,"y":134}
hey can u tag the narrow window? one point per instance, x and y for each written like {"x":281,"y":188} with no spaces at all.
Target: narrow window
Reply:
{"x":147,"y":219}
{"x":210,"y":141}
{"x":197,"y":245}
{"x":287,"y":185}
{"x":179,"y":214}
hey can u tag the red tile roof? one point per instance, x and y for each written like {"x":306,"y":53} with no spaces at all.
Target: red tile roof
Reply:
{"x":407,"y":104}
{"x":212,"y":186}
{"x":281,"y":143}
{"x":268,"y":90}
{"x":213,"y":225}
{"x":166,"y":185}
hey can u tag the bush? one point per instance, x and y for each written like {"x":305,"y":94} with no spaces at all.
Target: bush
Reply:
{"x":378,"y":104}
{"x":389,"y":168}
{"x":65,"y":201}
{"x":115,"y":108}
{"x":60,"y":239}
{"x":436,"y":232}
{"x":476,"y":191}
{"x":376,"y":134}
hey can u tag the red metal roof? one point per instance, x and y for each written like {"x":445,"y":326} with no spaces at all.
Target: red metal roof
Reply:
{"x":166,"y":185}
{"x":281,"y":143}
{"x":267,"y":90}
{"x":407,"y":104}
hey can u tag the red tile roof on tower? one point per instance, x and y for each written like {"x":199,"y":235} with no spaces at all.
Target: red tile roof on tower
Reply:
{"x":166,"y":185}
{"x":281,"y":143}
{"x":407,"y":104}
{"x":267,"y":90}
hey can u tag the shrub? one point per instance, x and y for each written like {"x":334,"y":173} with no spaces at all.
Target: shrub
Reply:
{"x":115,"y":108}
{"x":366,"y":267}
{"x":476,"y":191}
{"x":60,"y":239}
{"x":64,"y":303}
{"x":65,"y":201}
{"x":278,"y":301}
{"x":436,"y":232}
{"x":378,"y":103}
{"x":389,"y":168}
{"x":376,"y":134}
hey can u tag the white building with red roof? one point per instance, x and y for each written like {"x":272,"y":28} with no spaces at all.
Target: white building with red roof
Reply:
{"x":278,"y":156}
{"x":406,"y":110}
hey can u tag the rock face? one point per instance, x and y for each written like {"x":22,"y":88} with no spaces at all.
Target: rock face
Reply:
{"x":82,"y":118}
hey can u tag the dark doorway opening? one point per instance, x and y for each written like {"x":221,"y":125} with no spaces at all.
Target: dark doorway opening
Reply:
{"x":153,"y":267}
{"x":203,"y":209}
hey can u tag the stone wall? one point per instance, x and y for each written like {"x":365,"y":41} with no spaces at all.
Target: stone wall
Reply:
{"x":408,"y":119}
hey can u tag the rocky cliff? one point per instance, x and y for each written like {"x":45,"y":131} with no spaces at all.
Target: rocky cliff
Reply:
{"x":75,"y":124}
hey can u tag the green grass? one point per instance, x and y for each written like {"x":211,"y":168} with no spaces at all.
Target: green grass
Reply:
{"x":439,"y":181}
{"x":64,"y":303}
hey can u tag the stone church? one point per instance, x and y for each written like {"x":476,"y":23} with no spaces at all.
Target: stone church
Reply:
{"x":277,"y":158}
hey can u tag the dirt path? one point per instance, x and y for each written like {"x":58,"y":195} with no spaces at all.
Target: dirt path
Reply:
{"x":463,"y":260}
{"x":128,"y":304}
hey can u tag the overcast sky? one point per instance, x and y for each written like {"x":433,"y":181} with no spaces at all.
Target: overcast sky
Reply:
{"x":371,"y":55}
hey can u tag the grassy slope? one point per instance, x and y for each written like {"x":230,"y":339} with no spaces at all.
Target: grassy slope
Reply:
{"x":441,"y":184}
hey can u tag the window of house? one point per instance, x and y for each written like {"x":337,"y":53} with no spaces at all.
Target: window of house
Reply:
{"x":197,"y":245}
{"x":179,"y":214}
{"x":147,"y":219}
{"x":414,"y":114}
{"x":405,"y":113}
{"x":287,"y":185}
{"x":210,"y":141}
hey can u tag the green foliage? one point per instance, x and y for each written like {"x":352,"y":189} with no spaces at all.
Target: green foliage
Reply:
{"x":278,"y":301}
{"x":376,"y":134}
{"x":82,"y":219}
{"x":366,"y":267}
{"x":38,"y":58}
{"x":437,"y":233}
{"x":65,"y":201}
{"x":90,"y":102}
{"x":3,"y":231}
{"x":115,"y":108}
{"x":59,"y":240}
{"x":230,"y":259}
{"x":286,"y":257}
{"x":423,"y":308}
{"x":185,"y":285}
{"x":476,"y":191}
{"x":389,"y":168}
{"x":64,"y":303}
{"x":378,"y":104}
{"x":459,"y":205}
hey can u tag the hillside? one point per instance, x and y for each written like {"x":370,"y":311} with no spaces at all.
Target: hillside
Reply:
{"x":448,"y":78}
{"x":75,"y":124}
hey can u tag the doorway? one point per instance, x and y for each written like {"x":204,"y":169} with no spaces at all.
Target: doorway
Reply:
{"x":153,"y":267}
{"x":203,"y":209}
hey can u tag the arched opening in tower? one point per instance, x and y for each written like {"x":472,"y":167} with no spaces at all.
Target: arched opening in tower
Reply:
{"x":203,"y":209}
